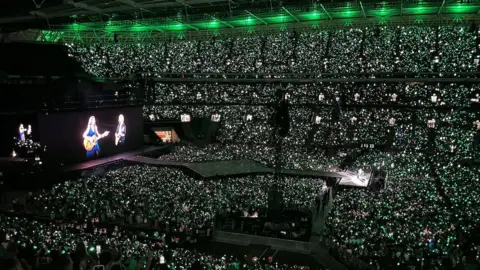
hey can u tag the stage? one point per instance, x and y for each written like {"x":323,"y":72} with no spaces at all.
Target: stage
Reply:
{"x":354,"y":179}
{"x":103,"y":161}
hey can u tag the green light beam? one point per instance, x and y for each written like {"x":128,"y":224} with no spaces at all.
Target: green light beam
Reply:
{"x":363,"y":11}
{"x":224,"y":22}
{"x":291,"y":15}
{"x":258,"y":18}
{"x":326,"y":11}
{"x":441,"y":7}
{"x":184,"y":24}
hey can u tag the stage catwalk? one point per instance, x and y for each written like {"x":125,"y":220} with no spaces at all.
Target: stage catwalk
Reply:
{"x":355,"y":179}
{"x":110,"y":159}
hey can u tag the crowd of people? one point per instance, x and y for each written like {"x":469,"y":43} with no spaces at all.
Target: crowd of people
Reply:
{"x":424,"y":136}
{"x":165,"y":202}
{"x":164,"y":197}
{"x":343,"y":51}
{"x":28,"y":243}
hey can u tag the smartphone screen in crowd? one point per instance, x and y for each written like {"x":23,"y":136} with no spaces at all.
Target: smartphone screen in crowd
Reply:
{"x":98,"y":249}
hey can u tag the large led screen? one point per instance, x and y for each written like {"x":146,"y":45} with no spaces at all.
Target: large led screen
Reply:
{"x":72,"y":137}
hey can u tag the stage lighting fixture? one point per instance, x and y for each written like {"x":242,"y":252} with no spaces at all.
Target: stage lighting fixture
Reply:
{"x":391,"y":122}
{"x":353,"y":120}
{"x":215,"y":117}
{"x":291,"y":62}
{"x":185,"y":118}
{"x":476,"y":58}
{"x":435,"y":57}
{"x":476,"y":99}
{"x":360,"y":59}
{"x":452,"y":148}
{"x":318,"y":119}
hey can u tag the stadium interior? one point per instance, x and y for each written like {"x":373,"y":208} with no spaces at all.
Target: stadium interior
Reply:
{"x":239,"y":134}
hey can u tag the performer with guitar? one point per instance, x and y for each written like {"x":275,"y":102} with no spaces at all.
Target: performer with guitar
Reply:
{"x":21,"y":132}
{"x":91,"y":137}
{"x":121,"y":131}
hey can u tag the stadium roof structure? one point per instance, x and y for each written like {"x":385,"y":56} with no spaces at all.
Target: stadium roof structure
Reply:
{"x":133,"y":21}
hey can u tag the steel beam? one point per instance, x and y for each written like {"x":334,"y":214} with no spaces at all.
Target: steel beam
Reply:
{"x":401,"y":7}
{"x":183,"y":3}
{"x":223,"y":22}
{"x":39,"y":14}
{"x":134,"y":4}
{"x":363,"y":10}
{"x":185,"y":24}
{"x":124,"y":8}
{"x":326,"y":11}
{"x":441,"y":7}
{"x":256,"y":17}
{"x":85,"y":6}
{"x":291,"y":15}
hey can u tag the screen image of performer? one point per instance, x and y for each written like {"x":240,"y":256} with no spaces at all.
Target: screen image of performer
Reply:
{"x":121,"y":131}
{"x":91,"y":137}
{"x":29,"y":132}
{"x":21,"y":132}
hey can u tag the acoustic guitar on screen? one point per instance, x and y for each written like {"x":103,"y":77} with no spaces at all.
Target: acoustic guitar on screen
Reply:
{"x":91,"y":141}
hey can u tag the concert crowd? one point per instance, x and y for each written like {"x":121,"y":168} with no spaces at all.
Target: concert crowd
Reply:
{"x":52,"y":244}
{"x":382,"y":49}
{"x":164,"y":200}
{"x":423,"y":136}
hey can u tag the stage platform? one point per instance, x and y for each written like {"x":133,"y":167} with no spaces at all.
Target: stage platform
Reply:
{"x":354,"y":179}
{"x":103,"y":161}
{"x":211,"y":169}
{"x":225,"y":168}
